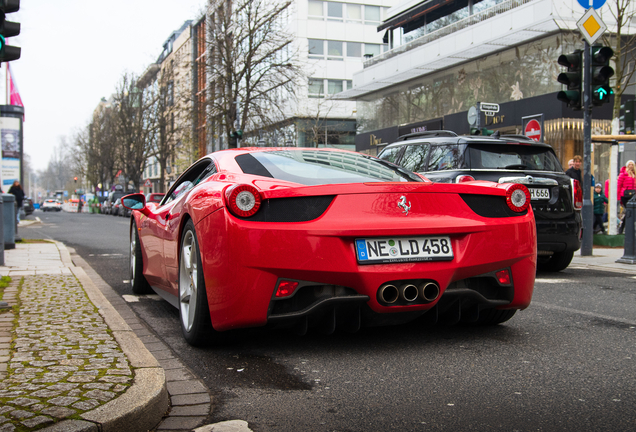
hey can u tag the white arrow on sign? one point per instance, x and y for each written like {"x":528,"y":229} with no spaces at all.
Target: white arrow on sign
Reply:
{"x":489,"y":107}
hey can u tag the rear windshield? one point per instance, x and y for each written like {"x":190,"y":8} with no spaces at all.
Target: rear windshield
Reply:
{"x":522,"y":157}
{"x":317,"y":167}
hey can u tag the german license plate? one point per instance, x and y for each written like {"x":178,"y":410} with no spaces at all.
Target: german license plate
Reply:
{"x":539,"y":194}
{"x":395,"y":250}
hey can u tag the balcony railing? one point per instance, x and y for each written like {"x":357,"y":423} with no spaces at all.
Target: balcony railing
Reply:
{"x":449,"y":29}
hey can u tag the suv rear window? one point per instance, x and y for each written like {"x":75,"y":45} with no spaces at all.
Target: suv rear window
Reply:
{"x":533,"y":158}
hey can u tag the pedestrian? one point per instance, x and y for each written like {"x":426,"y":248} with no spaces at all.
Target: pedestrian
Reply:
{"x":575,"y":171}
{"x":570,"y":163}
{"x":599,"y":208}
{"x":16,"y":190}
{"x":626,"y":187}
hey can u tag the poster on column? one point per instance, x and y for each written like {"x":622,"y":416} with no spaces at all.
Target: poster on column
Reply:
{"x":11,"y":150}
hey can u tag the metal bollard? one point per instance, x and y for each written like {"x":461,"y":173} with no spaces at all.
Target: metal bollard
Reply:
{"x":629,"y":256}
{"x":9,"y":219}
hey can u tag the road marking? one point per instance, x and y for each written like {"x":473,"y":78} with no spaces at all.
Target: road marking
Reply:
{"x":554,"y":281}
{"x":580,"y":312}
{"x":135,"y":298}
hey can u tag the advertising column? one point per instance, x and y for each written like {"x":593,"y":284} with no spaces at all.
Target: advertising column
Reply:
{"x":11,"y":139}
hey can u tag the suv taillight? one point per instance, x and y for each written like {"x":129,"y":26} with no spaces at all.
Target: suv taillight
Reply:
{"x":464,"y":178}
{"x":577,"y":194}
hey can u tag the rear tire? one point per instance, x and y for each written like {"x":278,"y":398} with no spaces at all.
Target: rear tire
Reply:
{"x":557,"y":262}
{"x":194,"y":312}
{"x":495,"y":316}
{"x":138,"y":282}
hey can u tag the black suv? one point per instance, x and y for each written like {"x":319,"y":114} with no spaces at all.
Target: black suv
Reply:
{"x":443,"y":156}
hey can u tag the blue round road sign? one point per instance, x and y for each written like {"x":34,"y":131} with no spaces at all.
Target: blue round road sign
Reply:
{"x":595,"y":4}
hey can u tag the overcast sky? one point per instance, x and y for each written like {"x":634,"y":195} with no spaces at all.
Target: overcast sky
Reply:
{"x":73,"y":54}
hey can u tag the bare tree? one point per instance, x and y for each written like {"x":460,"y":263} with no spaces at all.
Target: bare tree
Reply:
{"x":253,"y":64}
{"x":136,"y":126}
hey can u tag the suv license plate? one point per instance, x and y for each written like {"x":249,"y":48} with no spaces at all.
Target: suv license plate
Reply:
{"x":539,"y":194}
{"x":396,"y":250}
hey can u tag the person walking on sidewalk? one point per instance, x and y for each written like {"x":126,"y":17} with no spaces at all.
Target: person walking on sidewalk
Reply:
{"x":599,"y":208}
{"x":16,"y":190}
{"x":575,"y":171}
{"x":626,"y":187}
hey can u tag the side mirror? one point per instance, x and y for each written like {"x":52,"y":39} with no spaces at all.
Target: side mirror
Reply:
{"x":134,"y":201}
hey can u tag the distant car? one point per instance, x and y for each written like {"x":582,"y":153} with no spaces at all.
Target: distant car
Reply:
{"x":107,"y":205}
{"x":27,"y":205}
{"x":315,"y":238}
{"x":154,"y":197}
{"x":114,"y":209}
{"x":51,"y":205}
{"x":445,"y":157}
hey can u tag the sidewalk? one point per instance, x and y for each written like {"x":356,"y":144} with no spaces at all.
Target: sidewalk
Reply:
{"x":72,"y":354}
{"x":603,"y":259}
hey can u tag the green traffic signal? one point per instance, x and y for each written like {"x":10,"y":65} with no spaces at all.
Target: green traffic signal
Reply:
{"x":8,"y":29}
{"x":601,"y":74}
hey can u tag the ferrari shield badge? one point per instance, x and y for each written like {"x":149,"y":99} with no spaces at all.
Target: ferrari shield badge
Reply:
{"x":402,"y":204}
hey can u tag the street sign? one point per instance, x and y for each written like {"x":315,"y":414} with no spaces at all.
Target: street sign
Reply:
{"x":591,"y":26}
{"x":484,"y":106}
{"x":490,"y":113}
{"x":148,"y":183}
{"x":533,"y":130}
{"x":594,"y":4}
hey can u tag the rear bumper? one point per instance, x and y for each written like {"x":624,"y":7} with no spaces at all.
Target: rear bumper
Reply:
{"x":559,"y":236}
{"x":244,"y":261}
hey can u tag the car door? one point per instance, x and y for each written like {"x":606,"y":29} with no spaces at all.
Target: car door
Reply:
{"x":175,"y":204}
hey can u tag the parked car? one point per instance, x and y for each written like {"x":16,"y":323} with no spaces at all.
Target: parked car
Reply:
{"x":154,"y":197}
{"x":444,"y":157}
{"x":114,"y":209}
{"x":51,"y":205}
{"x":27,"y":206}
{"x":107,"y":206}
{"x":325,"y":237}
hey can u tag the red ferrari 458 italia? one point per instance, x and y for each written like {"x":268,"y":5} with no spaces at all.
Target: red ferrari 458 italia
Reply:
{"x":326,"y":238}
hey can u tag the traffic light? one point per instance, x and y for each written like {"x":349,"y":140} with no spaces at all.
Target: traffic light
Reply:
{"x":475,"y":131}
{"x":483,"y":131}
{"x":601,"y":74}
{"x":627,"y":118}
{"x":573,"y":79}
{"x":8,"y":29}
{"x":236,"y":134}
{"x":75,"y":178}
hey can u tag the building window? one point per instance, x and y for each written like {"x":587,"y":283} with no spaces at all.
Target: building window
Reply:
{"x":354,"y":49}
{"x":334,"y":48}
{"x":334,"y":11}
{"x":371,"y":49}
{"x":371,"y":14}
{"x":171,"y":93}
{"x":334,"y":86}
{"x":316,"y":48}
{"x":354,"y":12}
{"x":349,"y":84}
{"x":316,"y":9}
{"x":316,"y":87}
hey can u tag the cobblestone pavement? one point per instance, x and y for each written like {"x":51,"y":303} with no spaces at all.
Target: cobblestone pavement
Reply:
{"x":66,"y":360}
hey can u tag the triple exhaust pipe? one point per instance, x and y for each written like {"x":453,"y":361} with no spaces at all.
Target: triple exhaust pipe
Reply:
{"x":426,"y":292}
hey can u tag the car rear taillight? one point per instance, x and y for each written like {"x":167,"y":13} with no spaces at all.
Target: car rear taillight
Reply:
{"x":464,"y":178}
{"x":577,"y":194}
{"x":503,"y":276}
{"x":517,"y":197}
{"x":243,"y":200}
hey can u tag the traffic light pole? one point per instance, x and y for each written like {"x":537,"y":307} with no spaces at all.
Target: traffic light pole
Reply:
{"x":588,"y":208}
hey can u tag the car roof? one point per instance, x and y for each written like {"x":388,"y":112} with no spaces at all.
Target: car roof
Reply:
{"x":449,"y":137}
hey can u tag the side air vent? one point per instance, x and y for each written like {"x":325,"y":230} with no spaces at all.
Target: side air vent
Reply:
{"x":298,"y":209}
{"x":490,"y":206}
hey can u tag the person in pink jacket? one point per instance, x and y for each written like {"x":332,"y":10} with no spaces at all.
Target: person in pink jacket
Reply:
{"x":626,"y":181}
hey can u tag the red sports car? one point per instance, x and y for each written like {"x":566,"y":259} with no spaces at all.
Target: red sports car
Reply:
{"x":319,"y":238}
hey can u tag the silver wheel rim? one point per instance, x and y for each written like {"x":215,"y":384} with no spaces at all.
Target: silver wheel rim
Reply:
{"x":188,"y":280}
{"x":133,"y":246}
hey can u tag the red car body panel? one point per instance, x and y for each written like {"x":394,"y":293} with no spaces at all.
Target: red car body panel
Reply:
{"x":242,"y":260}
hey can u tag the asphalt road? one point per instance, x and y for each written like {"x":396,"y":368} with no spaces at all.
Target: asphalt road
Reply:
{"x":567,"y":363}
